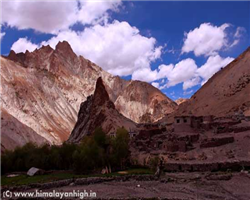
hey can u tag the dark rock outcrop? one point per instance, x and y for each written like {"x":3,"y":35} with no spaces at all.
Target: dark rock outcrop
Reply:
{"x":98,"y":111}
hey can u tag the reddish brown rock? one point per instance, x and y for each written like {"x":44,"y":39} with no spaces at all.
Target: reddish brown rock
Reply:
{"x":98,"y":111}
{"x":225,"y":93}
{"x":180,"y":101}
{"x":43,"y":89}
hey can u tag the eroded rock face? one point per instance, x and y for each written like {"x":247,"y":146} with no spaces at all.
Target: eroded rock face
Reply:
{"x":98,"y":111}
{"x":144,"y":103}
{"x":227,"y":92}
{"x":43,"y":89}
{"x":14,"y":133}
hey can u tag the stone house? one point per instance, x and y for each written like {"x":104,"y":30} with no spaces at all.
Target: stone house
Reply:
{"x":186,"y":123}
{"x":190,"y":123}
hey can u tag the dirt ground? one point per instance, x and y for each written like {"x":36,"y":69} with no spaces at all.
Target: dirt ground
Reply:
{"x":173,"y":186}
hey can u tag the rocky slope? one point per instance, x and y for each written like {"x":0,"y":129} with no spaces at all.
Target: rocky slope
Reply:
{"x":43,"y":90}
{"x":98,"y":111}
{"x":180,"y":101}
{"x":143,"y":103}
{"x":226,"y":93}
{"x":14,"y":133}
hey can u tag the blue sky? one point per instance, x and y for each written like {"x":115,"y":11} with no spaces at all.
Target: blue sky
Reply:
{"x":177,"y":46}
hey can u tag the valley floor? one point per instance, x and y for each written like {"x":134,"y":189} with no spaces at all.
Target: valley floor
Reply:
{"x":172,"y":186}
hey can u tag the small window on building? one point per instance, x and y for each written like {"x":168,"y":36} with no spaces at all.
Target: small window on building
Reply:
{"x":177,"y":121}
{"x":185,"y":120}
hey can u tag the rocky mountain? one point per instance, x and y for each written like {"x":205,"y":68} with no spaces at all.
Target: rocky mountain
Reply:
{"x":180,"y":101}
{"x":226,"y":93}
{"x":98,"y":111}
{"x":43,"y":90}
{"x":14,"y":133}
{"x":144,"y":107}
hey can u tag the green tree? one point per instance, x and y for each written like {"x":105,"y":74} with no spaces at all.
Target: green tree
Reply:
{"x":120,"y":148}
{"x":88,"y":157}
{"x":100,"y":137}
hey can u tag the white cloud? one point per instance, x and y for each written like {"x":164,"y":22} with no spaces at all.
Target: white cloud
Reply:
{"x":50,"y":16}
{"x":145,"y":74}
{"x":213,"y":65}
{"x":117,"y":47}
{"x":1,"y":35}
{"x":96,"y":11}
{"x":23,"y":44}
{"x":164,"y":70}
{"x":191,"y":83}
{"x":205,"y":40}
{"x":186,"y":72}
{"x":155,"y":84}
{"x":181,"y":72}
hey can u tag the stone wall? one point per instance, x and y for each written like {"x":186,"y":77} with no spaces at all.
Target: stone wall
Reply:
{"x":215,"y":142}
{"x":203,"y":167}
{"x":173,"y":146}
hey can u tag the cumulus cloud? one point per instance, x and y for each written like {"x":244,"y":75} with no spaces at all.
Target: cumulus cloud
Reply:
{"x":116,"y":47}
{"x":1,"y":35}
{"x":190,"y":75}
{"x":181,"y":72}
{"x":23,"y":44}
{"x":185,"y":72}
{"x":206,"y":39}
{"x":145,"y":74}
{"x":49,"y":16}
{"x":155,"y":84}
{"x":213,"y":65}
{"x":96,"y":11}
{"x":191,"y":82}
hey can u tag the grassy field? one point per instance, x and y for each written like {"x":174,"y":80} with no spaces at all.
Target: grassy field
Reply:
{"x":25,"y":180}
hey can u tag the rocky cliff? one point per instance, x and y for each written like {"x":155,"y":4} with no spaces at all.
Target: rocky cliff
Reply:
{"x":98,"y":111}
{"x":143,"y":103}
{"x":43,"y":90}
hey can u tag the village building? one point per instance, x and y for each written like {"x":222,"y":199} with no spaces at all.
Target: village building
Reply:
{"x":192,"y":123}
{"x":186,"y":123}
{"x":112,"y":134}
{"x":132,"y":133}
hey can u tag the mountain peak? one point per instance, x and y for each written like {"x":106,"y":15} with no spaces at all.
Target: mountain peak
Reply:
{"x":16,"y":57}
{"x":12,"y":54}
{"x":63,"y":45}
{"x":101,"y":95}
{"x":46,"y":48}
{"x":98,"y":111}
{"x":65,"y":48}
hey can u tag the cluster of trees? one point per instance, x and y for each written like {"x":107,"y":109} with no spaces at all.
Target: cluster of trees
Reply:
{"x":94,"y":153}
